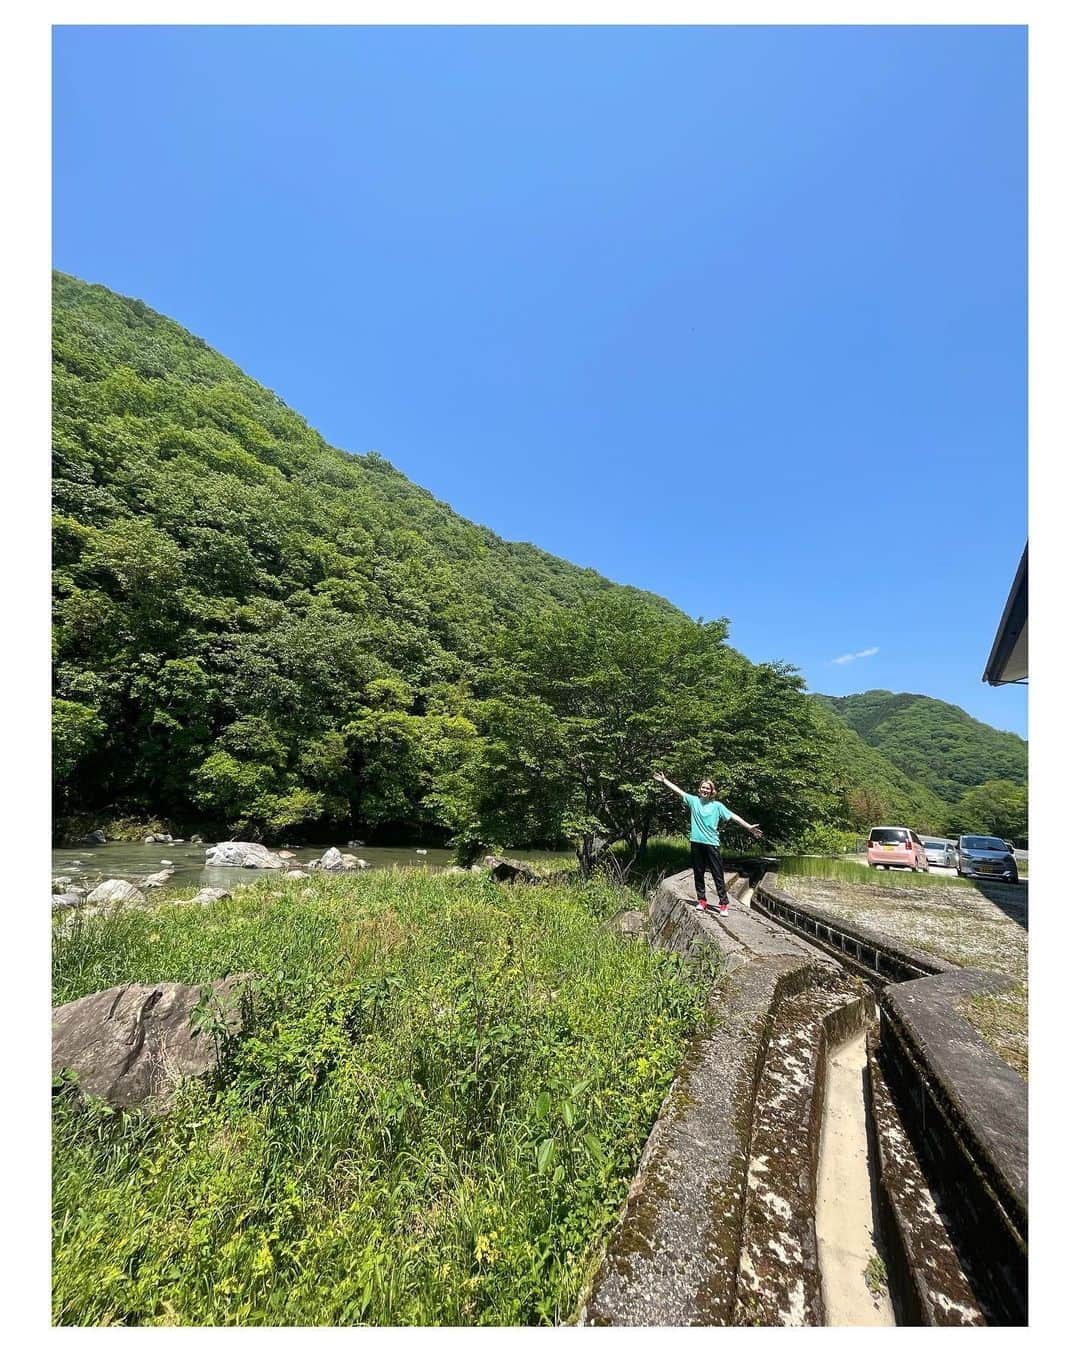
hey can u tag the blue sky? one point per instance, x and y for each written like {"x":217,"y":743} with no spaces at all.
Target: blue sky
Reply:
{"x":737,"y":315}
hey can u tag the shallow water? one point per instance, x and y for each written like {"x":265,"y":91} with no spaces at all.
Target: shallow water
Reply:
{"x":135,"y":862}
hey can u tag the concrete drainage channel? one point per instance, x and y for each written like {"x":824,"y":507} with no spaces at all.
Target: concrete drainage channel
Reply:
{"x":779,"y":1186}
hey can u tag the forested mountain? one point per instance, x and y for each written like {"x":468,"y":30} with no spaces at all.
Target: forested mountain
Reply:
{"x":935,"y":743}
{"x":261,"y":632}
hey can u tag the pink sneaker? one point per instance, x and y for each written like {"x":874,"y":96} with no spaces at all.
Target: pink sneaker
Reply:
{"x":703,"y":904}
{"x":723,"y":910}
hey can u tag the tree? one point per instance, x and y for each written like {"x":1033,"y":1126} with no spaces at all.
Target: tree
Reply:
{"x":997,"y":807}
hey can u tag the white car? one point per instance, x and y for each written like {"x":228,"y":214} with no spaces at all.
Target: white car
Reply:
{"x":939,"y":852}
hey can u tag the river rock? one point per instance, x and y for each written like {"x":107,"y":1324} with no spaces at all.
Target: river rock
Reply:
{"x":158,"y":879}
{"x":207,"y":896}
{"x":422,"y":852}
{"x":196,"y":839}
{"x":69,"y":900}
{"x":331,"y":861}
{"x":293,"y":874}
{"x":116,"y":892}
{"x":629,"y":923}
{"x":356,"y":843}
{"x":505,"y":869}
{"x":284,"y":853}
{"x":94,"y":837}
{"x":234,"y":854}
{"x":135,"y":1042}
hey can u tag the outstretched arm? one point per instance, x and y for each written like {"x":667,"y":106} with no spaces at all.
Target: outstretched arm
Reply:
{"x":755,"y":830}
{"x":662,"y":778}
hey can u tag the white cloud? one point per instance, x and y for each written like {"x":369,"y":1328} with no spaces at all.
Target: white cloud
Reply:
{"x":854,"y":656}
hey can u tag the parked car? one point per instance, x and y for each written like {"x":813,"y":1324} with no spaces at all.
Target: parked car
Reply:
{"x":896,"y":846}
{"x":940,"y":852}
{"x":985,"y":855}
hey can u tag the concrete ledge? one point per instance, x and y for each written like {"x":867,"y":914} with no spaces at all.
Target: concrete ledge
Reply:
{"x":673,"y":1259}
{"x":963,"y":1107}
{"x":928,"y":1282}
{"x":879,"y":957}
{"x":966,"y":1109}
{"x":779,"y":1280}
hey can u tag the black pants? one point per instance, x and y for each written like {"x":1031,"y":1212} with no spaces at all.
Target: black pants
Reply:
{"x":707,"y":855}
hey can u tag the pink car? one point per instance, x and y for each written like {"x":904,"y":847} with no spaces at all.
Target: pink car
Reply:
{"x":896,"y":846}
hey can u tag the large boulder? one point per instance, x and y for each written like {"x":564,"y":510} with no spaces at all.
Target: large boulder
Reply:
{"x":505,"y":869}
{"x":331,"y":861}
{"x":116,"y":892}
{"x":235,"y":854}
{"x":136,"y":1041}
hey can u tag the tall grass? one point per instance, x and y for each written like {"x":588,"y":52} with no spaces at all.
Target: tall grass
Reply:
{"x":434,"y":1120}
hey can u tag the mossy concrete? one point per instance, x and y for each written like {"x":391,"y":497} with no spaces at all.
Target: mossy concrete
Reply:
{"x":675,"y":1258}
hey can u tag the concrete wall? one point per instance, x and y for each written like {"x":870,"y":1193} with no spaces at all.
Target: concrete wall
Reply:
{"x":963,"y":1107}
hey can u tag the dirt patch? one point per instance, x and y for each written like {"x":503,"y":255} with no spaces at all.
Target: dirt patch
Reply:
{"x":960,"y":925}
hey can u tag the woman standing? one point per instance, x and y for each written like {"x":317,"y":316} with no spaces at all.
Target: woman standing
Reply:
{"x":706,"y":813}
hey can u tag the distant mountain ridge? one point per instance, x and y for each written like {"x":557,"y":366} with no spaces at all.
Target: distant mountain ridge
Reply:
{"x":937,"y":744}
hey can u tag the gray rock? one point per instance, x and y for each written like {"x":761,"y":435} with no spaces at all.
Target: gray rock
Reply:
{"x":356,"y":843}
{"x":94,"y":837}
{"x":150,"y":839}
{"x":135,"y":1042}
{"x":331,"y":861}
{"x":422,"y":852}
{"x":505,"y":869}
{"x":629,"y":922}
{"x":69,"y":900}
{"x":196,"y":839}
{"x":284,"y":853}
{"x":158,"y":879}
{"x":207,"y":896}
{"x":293,"y":874}
{"x":235,"y":854}
{"x":116,"y":892}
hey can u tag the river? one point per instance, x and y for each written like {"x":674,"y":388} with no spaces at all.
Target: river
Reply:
{"x":135,"y":862}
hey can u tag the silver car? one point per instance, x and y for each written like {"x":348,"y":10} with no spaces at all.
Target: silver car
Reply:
{"x":939,"y":852}
{"x":985,"y":855}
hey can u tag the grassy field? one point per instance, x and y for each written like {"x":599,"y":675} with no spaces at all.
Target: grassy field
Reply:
{"x":434,"y":1120}
{"x":981,"y":925}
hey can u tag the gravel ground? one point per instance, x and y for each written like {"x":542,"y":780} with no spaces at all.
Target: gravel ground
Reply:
{"x":969,"y":927}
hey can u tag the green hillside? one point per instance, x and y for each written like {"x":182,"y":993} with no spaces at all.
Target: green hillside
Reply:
{"x":934,"y":743}
{"x":259,"y":632}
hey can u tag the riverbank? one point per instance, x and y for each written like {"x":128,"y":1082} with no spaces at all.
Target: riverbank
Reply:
{"x":434,"y":1120}
{"x":134,"y":862}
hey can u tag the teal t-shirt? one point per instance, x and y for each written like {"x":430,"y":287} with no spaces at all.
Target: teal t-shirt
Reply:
{"x":705,"y":817}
